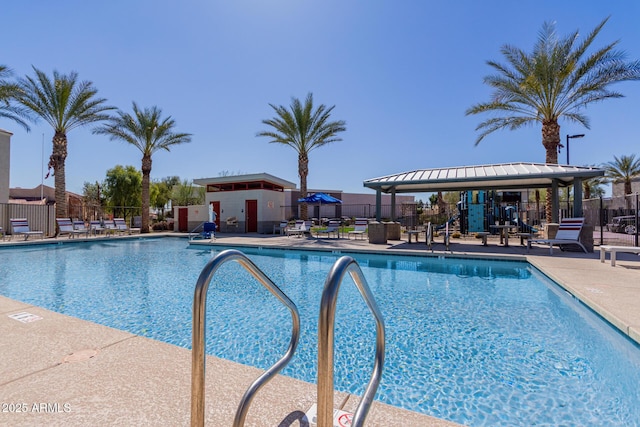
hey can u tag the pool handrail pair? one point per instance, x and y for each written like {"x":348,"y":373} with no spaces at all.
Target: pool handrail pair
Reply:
{"x":326,"y":325}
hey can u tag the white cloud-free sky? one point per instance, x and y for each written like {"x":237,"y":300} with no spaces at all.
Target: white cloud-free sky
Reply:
{"x":400,"y":73}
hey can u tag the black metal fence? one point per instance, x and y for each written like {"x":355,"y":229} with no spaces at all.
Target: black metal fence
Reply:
{"x":615,"y":220}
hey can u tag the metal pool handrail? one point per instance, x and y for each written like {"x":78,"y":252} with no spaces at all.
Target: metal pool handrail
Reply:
{"x":326,"y":342}
{"x":199,"y":335}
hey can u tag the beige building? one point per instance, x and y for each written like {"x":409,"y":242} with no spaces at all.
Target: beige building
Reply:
{"x":5,"y":159}
{"x":246,"y":203}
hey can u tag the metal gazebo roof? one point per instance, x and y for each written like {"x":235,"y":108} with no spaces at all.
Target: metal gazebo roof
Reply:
{"x":503,"y":176}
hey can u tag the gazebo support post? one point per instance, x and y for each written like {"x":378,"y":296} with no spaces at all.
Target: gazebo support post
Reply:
{"x":393,"y":204}
{"x":577,"y":197}
{"x":555,"y":202}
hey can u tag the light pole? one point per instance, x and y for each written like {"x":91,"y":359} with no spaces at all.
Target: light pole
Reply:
{"x":568,"y":138}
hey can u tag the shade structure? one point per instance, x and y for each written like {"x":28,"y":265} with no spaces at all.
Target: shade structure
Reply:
{"x":321,"y":198}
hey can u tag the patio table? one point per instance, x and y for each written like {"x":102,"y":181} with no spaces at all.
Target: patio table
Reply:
{"x":504,"y":232}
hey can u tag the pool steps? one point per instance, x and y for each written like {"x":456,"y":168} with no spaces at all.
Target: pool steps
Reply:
{"x":325,"y":394}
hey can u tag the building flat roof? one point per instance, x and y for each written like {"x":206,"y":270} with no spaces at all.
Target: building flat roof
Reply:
{"x":244,"y":178}
{"x":504,"y":176}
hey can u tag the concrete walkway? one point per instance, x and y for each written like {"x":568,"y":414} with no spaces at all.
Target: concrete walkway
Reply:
{"x":58,"y":370}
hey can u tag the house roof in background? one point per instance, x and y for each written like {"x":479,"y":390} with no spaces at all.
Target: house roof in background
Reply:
{"x":32,"y":194}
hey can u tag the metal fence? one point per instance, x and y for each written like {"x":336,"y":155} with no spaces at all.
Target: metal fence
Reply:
{"x":615,"y":220}
{"x":43,"y":217}
{"x":40,"y":217}
{"x":351,"y":211}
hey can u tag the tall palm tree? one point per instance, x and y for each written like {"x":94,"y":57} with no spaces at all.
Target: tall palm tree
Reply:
{"x":148,"y":132}
{"x":623,"y":169}
{"x":593,"y":187}
{"x":557,"y":80}
{"x":303,"y":129}
{"x":64,"y":103}
{"x":9,"y":110}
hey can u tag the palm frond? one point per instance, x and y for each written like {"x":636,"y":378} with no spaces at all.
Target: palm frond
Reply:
{"x":557,"y":79}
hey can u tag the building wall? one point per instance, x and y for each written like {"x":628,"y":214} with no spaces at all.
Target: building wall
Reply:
{"x":5,"y":157}
{"x":617,"y":189}
{"x":232,"y":204}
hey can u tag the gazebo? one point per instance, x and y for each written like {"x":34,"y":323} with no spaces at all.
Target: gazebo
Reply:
{"x":504,"y":176}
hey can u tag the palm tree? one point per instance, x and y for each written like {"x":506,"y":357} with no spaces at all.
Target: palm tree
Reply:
{"x":593,"y":187}
{"x":623,"y":169}
{"x":7,"y":92}
{"x":64,"y":103}
{"x":148,"y":133}
{"x":303,"y":129}
{"x":557,"y":80}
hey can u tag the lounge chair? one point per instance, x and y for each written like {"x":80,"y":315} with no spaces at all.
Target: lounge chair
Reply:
{"x":360,"y":228}
{"x":332,"y":228}
{"x":65,"y":226}
{"x":110,"y":227}
{"x":299,"y":229}
{"x":81,"y":228}
{"x":21,"y":226}
{"x":96,"y":227}
{"x":568,"y":234}
{"x":614,"y":249}
{"x":121,"y":225}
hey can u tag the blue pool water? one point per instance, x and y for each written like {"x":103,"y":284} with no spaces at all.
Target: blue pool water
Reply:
{"x":481,"y":343}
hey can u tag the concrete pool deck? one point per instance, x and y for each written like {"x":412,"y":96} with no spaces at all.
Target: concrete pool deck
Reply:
{"x":59,"y":370}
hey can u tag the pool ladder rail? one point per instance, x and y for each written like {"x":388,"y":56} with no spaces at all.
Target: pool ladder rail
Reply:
{"x":326,"y":325}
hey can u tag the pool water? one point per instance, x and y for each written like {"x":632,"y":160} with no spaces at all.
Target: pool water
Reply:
{"x":481,"y":343}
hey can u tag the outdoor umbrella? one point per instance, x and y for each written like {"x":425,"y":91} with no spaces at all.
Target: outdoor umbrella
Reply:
{"x":320,"y":198}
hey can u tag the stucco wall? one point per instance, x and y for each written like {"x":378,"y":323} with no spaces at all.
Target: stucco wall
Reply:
{"x":617,"y":188}
{"x":233,"y":203}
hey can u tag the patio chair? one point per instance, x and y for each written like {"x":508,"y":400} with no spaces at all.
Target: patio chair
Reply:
{"x":360,"y":228}
{"x":568,"y":234}
{"x":21,"y":226}
{"x":282,"y":228}
{"x":232,"y":221}
{"x":208,"y":230}
{"x":332,"y":228}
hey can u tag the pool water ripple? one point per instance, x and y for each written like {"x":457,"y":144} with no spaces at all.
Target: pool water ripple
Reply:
{"x":476,"y":342}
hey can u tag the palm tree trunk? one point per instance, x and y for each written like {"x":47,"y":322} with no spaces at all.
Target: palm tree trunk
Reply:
{"x":586,"y":188}
{"x":146,"y":173}
{"x":550,"y":141}
{"x":57,"y":162}
{"x":303,"y":172}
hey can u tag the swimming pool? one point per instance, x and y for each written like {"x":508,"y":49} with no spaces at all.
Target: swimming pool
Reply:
{"x":476,"y":342}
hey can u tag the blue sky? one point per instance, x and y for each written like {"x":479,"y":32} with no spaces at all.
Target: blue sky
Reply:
{"x":401,"y":74}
